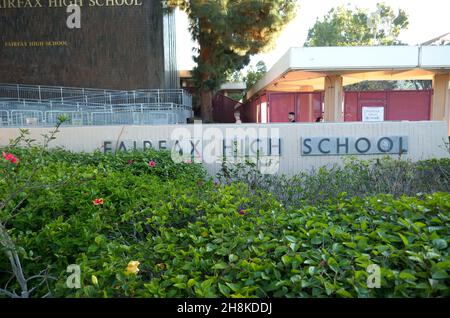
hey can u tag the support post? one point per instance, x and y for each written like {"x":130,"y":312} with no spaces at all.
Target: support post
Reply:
{"x":441,"y":103}
{"x":333,"y":98}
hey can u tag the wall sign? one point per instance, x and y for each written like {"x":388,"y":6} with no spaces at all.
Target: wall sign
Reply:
{"x":248,"y":147}
{"x":338,"y":146}
{"x":314,"y":146}
{"x":372,"y":114}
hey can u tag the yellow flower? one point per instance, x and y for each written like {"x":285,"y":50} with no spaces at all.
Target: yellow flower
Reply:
{"x":161,"y":266}
{"x":94,"y":280}
{"x":133,"y":267}
{"x":204,"y":234}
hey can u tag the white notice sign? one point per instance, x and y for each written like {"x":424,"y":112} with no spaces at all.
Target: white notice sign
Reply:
{"x":373,"y":114}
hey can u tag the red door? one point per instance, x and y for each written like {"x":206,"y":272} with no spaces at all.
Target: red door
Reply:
{"x":280,"y":105}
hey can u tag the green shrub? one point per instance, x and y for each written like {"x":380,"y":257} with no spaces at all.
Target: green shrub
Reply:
{"x":355,"y":178}
{"x":195,"y":238}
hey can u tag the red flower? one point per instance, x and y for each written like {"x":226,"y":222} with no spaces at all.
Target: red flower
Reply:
{"x":10,"y":157}
{"x":130,"y":162}
{"x":152,"y":164}
{"x":242,"y":212}
{"x":98,"y":201}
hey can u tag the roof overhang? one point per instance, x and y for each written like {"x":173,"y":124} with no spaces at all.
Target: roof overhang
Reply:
{"x":304,"y":69}
{"x":185,"y":74}
{"x":233,"y":86}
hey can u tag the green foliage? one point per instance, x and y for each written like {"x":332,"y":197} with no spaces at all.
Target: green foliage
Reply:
{"x":251,"y":76}
{"x":197,"y":238}
{"x":355,"y":178}
{"x":343,"y":26}
{"x":255,"y":74}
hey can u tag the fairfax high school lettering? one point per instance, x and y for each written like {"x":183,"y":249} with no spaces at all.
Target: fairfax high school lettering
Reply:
{"x":11,"y":4}
{"x":18,"y":4}
{"x":322,"y":146}
{"x":228,"y":148}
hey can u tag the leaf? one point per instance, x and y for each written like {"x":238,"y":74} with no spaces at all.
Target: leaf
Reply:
{"x":439,"y":274}
{"x":233,"y":258}
{"x":333,"y":264}
{"x":440,"y":244}
{"x":363,"y":225}
{"x":285,"y":259}
{"x":296,"y":279}
{"x":99,"y":239}
{"x":234,"y":287}
{"x":336,"y":247}
{"x":350,"y":244}
{"x":329,"y":288}
{"x":443,"y":265}
{"x":291,"y":239}
{"x":180,"y":285}
{"x":191,"y":282}
{"x":221,"y":265}
{"x":224,"y":290}
{"x":407,"y":276}
{"x":404,"y":240}
{"x":316,"y":241}
{"x":342,"y":292}
{"x":435,"y":228}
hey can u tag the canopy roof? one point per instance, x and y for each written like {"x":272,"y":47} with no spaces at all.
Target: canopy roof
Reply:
{"x":304,"y":68}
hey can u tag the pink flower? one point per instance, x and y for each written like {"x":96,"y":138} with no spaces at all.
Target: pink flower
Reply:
{"x":242,"y":212}
{"x":10,"y":157}
{"x":130,"y":162}
{"x":152,"y":164}
{"x":188,"y":162}
{"x":98,"y":201}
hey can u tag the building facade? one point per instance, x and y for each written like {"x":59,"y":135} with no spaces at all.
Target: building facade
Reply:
{"x":121,"y":44}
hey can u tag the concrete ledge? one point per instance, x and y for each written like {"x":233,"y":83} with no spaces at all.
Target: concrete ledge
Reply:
{"x":425,"y":140}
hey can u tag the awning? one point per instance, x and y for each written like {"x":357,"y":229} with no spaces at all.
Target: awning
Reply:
{"x":304,"y":69}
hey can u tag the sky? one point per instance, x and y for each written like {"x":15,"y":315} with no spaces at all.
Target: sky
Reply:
{"x":427,"y":19}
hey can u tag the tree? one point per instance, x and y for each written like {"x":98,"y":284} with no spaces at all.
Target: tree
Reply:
{"x":254,"y":74}
{"x":343,"y":26}
{"x":250,"y":76}
{"x":228,"y":32}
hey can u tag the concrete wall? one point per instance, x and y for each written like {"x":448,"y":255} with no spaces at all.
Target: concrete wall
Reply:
{"x":424,"y":139}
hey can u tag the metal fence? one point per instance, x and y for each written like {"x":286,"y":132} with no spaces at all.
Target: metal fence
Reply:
{"x":28,"y":105}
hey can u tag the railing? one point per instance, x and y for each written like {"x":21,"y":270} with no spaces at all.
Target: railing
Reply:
{"x":28,"y":105}
{"x":40,"y":114}
{"x":39,"y":93}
